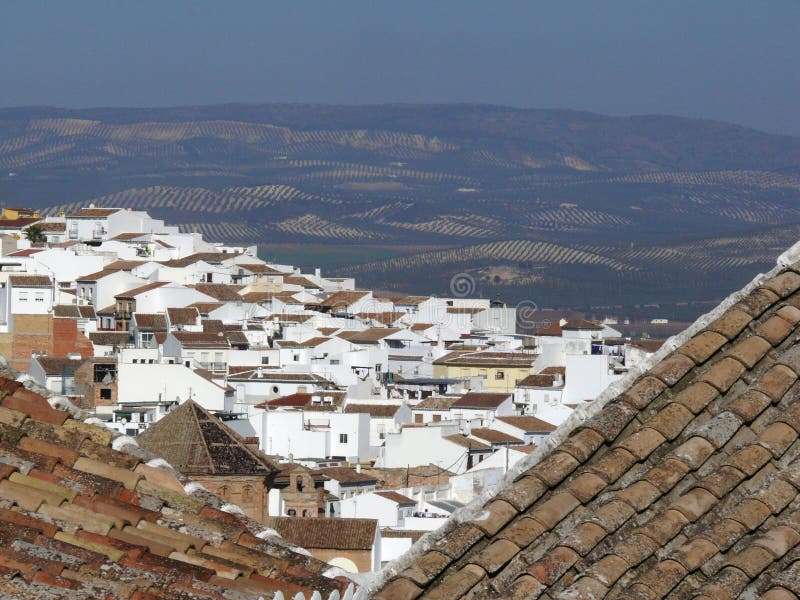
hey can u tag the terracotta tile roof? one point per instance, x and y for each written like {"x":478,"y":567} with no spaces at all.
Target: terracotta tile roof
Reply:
{"x":411,"y":300}
{"x":142,"y":289}
{"x":206,"y":307}
{"x":110,"y":338}
{"x":125,"y":265}
{"x":79,"y":519}
{"x":74,"y":311}
{"x":397,"y":497}
{"x":326,"y":534}
{"x":681,"y":482}
{"x":327,"y":331}
{"x":314,"y":342}
{"x":341,"y":300}
{"x":436,"y":403}
{"x":493,"y":436}
{"x":150,"y":321}
{"x":20,"y":223}
{"x":380,"y":411}
{"x":27,"y":252}
{"x":290,"y":318}
{"x":348,"y":476}
{"x":528,"y":424}
{"x":197,"y":443}
{"x":541,"y":380}
{"x":373,"y":335}
{"x":93,"y":213}
{"x":31,"y":281}
{"x":257,"y":297}
{"x":201,"y":339}
{"x":552,"y":329}
{"x":52,"y":226}
{"x":212,"y":258}
{"x":259,"y":268}
{"x":421,"y":326}
{"x":470,"y":358}
{"x":304,"y":282}
{"x":385,"y":318}
{"x":220,"y":291}
{"x":581,"y":324}
{"x":466,"y":442}
{"x":183,"y":316}
{"x":292,"y":400}
{"x":481,"y":400}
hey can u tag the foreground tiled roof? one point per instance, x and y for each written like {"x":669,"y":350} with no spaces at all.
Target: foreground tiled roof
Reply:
{"x":684,"y":485}
{"x":79,"y":519}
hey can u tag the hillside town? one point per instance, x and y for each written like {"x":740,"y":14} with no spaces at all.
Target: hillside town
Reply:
{"x":291,"y":395}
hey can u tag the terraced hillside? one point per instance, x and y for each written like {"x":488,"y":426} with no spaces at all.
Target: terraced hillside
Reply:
{"x":563,"y":207}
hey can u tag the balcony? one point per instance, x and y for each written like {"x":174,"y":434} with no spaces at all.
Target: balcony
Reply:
{"x":214,"y":367}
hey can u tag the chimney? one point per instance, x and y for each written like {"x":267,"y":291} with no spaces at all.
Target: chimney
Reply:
{"x":317,"y":272}
{"x":260,"y":373}
{"x":358,"y":468}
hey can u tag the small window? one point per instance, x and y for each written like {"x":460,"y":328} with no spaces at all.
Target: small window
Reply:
{"x":342,"y":438}
{"x":265,"y":360}
{"x":291,"y":512}
{"x":437,"y":418}
{"x":39,"y":297}
{"x":105,"y":394}
{"x":275,"y":389}
{"x":500,"y":375}
{"x":306,"y":513}
{"x":23,"y":296}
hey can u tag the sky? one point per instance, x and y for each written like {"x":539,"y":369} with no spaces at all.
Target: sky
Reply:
{"x":731,"y":60}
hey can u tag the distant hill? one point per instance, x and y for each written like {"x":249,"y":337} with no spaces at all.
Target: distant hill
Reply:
{"x":562,"y":206}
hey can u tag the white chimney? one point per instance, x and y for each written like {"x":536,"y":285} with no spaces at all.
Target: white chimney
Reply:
{"x":317,"y":272}
{"x":260,"y":373}
{"x":358,"y":468}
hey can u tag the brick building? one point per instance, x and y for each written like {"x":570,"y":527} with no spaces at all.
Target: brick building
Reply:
{"x":199,"y":445}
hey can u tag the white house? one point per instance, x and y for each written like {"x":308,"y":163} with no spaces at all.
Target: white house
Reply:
{"x":390,"y":508}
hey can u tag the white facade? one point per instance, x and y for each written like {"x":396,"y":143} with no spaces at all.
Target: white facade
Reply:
{"x":307,"y":434}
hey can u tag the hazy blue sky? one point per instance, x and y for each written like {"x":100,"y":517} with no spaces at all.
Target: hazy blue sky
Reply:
{"x":735,"y":60}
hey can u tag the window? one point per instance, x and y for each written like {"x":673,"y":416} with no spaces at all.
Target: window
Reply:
{"x":418,"y":418}
{"x":105,"y":394}
{"x":23,"y":296}
{"x":437,"y":418}
{"x":39,"y":297}
{"x":342,"y":438}
{"x":291,"y":512}
{"x":265,"y":360}
{"x":296,"y":358}
{"x":500,"y":375}
{"x":306,"y":513}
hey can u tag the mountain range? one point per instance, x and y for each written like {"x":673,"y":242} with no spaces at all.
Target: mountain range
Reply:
{"x":556,"y":207}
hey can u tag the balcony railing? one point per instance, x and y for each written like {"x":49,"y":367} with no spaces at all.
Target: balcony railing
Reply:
{"x":212,"y":366}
